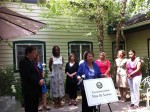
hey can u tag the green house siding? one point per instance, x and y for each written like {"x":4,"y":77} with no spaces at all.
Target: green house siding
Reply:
{"x":60,"y":31}
{"x":139,"y":42}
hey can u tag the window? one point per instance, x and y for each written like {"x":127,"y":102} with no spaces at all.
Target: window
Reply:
{"x":30,"y":1}
{"x":121,"y":46}
{"x":19,"y":50}
{"x":78,"y":48}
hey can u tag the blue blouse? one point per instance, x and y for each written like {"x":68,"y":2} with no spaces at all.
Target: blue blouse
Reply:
{"x":89,"y":73}
{"x":40,"y":67}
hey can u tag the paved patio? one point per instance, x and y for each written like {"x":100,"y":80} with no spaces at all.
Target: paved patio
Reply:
{"x":116,"y":107}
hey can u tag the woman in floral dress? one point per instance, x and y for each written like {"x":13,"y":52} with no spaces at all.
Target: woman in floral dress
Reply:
{"x":56,"y":77}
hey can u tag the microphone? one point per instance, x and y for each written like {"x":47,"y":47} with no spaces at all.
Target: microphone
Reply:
{"x":82,"y":78}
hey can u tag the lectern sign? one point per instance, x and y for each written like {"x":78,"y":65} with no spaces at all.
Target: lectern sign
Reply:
{"x":100,"y":91}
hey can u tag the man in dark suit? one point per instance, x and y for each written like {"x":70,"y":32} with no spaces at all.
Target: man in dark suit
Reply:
{"x":31,"y":80}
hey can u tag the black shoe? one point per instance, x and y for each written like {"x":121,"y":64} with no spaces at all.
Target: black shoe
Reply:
{"x":135,"y":107}
{"x":131,"y":105}
{"x":46,"y":108}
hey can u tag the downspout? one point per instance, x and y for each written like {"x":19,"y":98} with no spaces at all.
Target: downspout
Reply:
{"x":122,"y":33}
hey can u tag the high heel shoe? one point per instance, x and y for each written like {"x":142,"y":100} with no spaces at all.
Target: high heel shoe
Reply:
{"x":75,"y":103}
{"x":46,"y":108}
{"x":40,"y":108}
{"x":70,"y":103}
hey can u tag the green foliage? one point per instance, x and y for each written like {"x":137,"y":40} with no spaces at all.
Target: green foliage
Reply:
{"x":18,"y":88}
{"x":145,"y":66}
{"x":6,"y":80}
{"x":137,"y":6}
{"x":10,"y":84}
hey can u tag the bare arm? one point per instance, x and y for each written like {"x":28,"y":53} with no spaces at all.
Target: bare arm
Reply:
{"x":139,"y":65}
{"x":50,"y":64}
{"x":109,"y":67}
{"x":62,"y":61}
{"x":43,"y":74}
{"x":73,"y":73}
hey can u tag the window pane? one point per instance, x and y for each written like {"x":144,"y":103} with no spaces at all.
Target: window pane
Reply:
{"x":75,"y":49}
{"x":29,"y":1}
{"x":86,"y":48}
{"x":20,"y":51}
{"x":32,"y":1}
{"x":79,"y":48}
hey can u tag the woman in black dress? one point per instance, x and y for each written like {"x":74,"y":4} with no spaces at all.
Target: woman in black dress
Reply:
{"x":71,"y":80}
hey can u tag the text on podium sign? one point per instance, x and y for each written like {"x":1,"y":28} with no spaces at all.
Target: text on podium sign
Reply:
{"x":100,"y":91}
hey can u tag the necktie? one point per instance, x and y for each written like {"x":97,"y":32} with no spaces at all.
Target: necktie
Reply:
{"x":37,"y":69}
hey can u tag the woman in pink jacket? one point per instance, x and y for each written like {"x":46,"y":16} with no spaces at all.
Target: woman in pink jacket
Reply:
{"x":103,"y":64}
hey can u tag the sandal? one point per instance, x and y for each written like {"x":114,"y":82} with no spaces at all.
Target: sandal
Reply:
{"x":135,"y":107}
{"x":70,"y":103}
{"x":40,"y":108}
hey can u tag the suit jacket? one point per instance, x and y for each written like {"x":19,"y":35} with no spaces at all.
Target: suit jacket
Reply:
{"x":30,"y":78}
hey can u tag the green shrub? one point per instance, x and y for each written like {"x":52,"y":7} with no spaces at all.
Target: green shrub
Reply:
{"x":18,"y":88}
{"x":7,"y":79}
{"x":10,"y":84}
{"x":145,"y":66}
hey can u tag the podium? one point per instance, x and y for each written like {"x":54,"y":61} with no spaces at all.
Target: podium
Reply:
{"x":100,"y":91}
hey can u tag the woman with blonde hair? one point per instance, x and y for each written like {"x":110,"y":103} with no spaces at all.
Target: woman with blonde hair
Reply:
{"x":121,"y":76}
{"x":103,"y":64}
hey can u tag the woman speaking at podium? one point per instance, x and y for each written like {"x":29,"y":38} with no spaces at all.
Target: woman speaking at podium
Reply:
{"x":87,"y":70}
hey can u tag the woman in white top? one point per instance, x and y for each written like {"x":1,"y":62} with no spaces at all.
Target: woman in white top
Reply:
{"x":121,"y":76}
{"x":56,"y":78}
{"x":83,"y":58}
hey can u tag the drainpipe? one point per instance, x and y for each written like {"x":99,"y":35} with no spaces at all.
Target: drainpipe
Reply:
{"x":122,"y":33}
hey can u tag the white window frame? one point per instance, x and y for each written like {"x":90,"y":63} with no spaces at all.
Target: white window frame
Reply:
{"x":80,"y":44}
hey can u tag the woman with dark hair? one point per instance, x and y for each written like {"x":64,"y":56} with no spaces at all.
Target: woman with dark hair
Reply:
{"x":44,"y":89}
{"x":56,"y":77}
{"x":89,"y":69}
{"x":121,"y":76}
{"x":71,"y":80}
{"x":133,"y":68}
{"x":83,"y":57}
